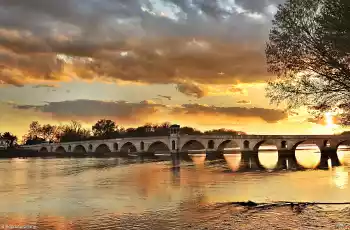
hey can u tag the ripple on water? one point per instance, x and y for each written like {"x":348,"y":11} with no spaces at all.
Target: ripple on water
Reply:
{"x":121,"y":194}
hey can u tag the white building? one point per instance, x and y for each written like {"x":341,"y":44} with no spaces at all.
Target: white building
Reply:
{"x":4,"y":144}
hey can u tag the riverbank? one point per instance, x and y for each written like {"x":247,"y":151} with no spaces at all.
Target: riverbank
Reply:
{"x":27,"y":153}
{"x":199,"y":216}
{"x":228,"y":216}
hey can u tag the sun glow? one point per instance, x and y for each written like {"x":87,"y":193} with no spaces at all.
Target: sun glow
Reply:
{"x":329,"y":120}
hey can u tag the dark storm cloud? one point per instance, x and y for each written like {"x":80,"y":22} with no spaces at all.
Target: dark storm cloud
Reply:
{"x":135,"y":112}
{"x":191,"y":89}
{"x":148,"y":41}
{"x":91,"y":109}
{"x":258,"y":5}
{"x":268,"y":115}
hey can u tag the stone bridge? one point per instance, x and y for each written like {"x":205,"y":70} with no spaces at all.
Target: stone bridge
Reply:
{"x":213,"y":146}
{"x":186,"y":143}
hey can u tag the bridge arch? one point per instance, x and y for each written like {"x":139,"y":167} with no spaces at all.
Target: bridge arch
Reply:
{"x":308,"y":153}
{"x":79,"y":149}
{"x":102,"y":148}
{"x":192,"y":145}
{"x":158,"y":146}
{"x":257,"y":145}
{"x":128,"y":147}
{"x":307,"y":141}
{"x":60,"y":149}
{"x":228,"y":144}
{"x":343,"y":142}
{"x":43,"y":150}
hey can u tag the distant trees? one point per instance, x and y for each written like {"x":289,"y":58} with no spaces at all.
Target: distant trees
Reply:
{"x":38,"y":133}
{"x":309,"y":50}
{"x":224,"y":132}
{"x":103,"y":129}
{"x":189,"y":131}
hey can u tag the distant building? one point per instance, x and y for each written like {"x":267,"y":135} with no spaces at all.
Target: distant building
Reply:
{"x":4,"y":144}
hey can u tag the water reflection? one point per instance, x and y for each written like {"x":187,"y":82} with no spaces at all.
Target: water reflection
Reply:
{"x":308,"y":155}
{"x":343,"y":152}
{"x":198,"y":159}
{"x":55,"y":193}
{"x":233,"y":160}
{"x":340,"y":177}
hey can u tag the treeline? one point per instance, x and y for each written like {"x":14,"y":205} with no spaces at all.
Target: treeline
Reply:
{"x":104,"y":129}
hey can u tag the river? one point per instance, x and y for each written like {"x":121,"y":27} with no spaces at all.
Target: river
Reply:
{"x":118,"y":193}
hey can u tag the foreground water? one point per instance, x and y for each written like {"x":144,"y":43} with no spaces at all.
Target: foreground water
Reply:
{"x":130,"y":194}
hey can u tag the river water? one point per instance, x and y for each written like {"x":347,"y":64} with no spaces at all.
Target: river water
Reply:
{"x":116,"y":193}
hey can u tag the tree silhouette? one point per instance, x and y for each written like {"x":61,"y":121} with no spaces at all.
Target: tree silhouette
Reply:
{"x":104,"y":128}
{"x":74,"y":132}
{"x":189,"y":131}
{"x":309,"y":50}
{"x":11,"y":139}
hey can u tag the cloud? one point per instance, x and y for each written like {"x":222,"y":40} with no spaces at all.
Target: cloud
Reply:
{"x":150,"y":111}
{"x":88,"y":110}
{"x":195,"y":110}
{"x":259,"y":6}
{"x":191,"y":89}
{"x":150,"y":42}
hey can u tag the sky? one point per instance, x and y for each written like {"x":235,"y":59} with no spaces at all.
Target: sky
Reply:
{"x":198,"y":63}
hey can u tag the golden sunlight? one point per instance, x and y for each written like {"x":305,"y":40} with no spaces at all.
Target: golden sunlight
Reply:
{"x":329,"y":119}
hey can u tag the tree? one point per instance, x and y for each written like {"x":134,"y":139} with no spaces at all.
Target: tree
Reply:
{"x":34,"y":130}
{"x":309,"y":50}
{"x":223,"y":132}
{"x":50,"y":132}
{"x":104,"y":128}
{"x":74,"y":132}
{"x":12,"y":139}
{"x":189,"y":131}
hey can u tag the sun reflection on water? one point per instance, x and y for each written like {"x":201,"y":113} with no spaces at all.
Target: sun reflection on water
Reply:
{"x":233,"y":161}
{"x":340,"y":177}
{"x":343,"y":153}
{"x":198,"y":159}
{"x":308,"y":155}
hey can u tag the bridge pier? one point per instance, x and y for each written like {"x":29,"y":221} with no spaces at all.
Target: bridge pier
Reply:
{"x":326,"y":154}
{"x":287,"y":160}
{"x":250,"y":161}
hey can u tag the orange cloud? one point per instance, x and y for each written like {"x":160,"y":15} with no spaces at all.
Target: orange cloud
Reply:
{"x":133,"y":42}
